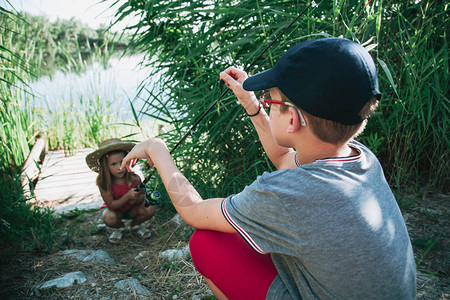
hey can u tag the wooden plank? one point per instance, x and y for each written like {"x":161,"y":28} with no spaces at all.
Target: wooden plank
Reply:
{"x":31,"y":166}
{"x":66,"y":167}
{"x":66,"y":182}
{"x":61,"y":163}
{"x":49,"y":190}
{"x":70,"y":182}
{"x":64,"y":195}
{"x":67,"y":172}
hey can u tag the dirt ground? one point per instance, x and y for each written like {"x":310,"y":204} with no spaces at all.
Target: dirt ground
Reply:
{"x":428,"y":225}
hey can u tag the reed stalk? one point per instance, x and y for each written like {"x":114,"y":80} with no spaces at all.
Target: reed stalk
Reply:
{"x":190,"y":43}
{"x":27,"y":48}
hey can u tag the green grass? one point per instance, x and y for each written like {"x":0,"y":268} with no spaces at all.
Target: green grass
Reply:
{"x":22,"y":226}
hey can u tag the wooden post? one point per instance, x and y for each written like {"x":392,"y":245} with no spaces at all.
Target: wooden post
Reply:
{"x":31,"y":168}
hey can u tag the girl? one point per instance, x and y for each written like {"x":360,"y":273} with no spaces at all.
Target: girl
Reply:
{"x":117,"y":188}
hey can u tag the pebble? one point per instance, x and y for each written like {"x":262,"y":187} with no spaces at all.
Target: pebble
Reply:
{"x":175,"y":254}
{"x":132,"y":285}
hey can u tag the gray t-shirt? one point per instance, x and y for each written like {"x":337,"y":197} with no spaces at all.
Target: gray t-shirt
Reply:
{"x":332,"y":227}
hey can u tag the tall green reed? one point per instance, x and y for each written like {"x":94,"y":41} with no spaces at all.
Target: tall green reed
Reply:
{"x":16,"y":129}
{"x":416,"y":104}
{"x":190,"y":43}
{"x":39,"y":46}
{"x":21,"y":226}
{"x":27,"y":47}
{"x":78,"y":124}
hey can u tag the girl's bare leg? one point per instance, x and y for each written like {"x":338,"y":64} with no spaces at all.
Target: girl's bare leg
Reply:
{"x":112,"y":218}
{"x":140,"y":214}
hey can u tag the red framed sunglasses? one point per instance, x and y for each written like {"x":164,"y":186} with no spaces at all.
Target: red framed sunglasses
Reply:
{"x":267,"y":102}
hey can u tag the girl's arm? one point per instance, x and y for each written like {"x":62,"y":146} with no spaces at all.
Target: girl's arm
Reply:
{"x":111,"y":203}
{"x":130,"y":197}
{"x":199,"y":213}
{"x":280,"y":156}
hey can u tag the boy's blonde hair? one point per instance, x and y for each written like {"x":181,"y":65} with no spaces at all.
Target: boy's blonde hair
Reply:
{"x":333,"y":132}
{"x":104,"y":178}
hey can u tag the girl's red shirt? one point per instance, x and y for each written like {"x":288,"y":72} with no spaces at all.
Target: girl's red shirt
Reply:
{"x":118,"y":190}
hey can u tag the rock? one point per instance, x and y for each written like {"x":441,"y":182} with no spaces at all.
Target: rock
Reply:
{"x":64,"y":281}
{"x":142,"y":254}
{"x":185,"y":230}
{"x":132,"y":285}
{"x":175,"y":254}
{"x":177,"y":220}
{"x":200,"y":296}
{"x":97,"y":256}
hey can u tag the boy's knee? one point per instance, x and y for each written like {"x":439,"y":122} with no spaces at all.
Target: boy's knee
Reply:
{"x":197,"y":248}
{"x":201,"y":246}
{"x":193,"y":243}
{"x":198,"y":242}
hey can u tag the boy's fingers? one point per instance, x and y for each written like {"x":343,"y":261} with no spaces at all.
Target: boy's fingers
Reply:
{"x":150,"y":163}
{"x":131,"y":164}
{"x":126,"y":162}
{"x":229,"y":80}
{"x":226,"y":77}
{"x":223,"y":76}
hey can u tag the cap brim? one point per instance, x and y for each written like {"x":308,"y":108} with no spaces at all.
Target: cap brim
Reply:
{"x":261,"y":81}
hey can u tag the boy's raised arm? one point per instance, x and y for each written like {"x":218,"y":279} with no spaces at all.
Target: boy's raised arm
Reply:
{"x":234,"y":79}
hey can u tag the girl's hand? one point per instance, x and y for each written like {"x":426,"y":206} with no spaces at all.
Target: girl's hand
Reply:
{"x":234,"y":78}
{"x":131,"y":196}
{"x":135,"y":197}
{"x":141,"y":197}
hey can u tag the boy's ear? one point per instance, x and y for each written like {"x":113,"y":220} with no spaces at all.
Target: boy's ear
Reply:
{"x":294,"y":120}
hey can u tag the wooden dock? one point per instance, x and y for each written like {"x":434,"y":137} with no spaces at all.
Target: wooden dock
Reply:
{"x":66,"y":182}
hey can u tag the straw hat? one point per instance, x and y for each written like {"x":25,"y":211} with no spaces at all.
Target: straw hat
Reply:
{"x":93,"y":159}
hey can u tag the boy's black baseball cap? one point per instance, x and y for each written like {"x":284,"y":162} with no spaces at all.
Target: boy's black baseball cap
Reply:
{"x":330,"y":78}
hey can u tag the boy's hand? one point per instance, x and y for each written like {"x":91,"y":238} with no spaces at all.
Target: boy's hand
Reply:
{"x":234,"y":78}
{"x":148,"y":149}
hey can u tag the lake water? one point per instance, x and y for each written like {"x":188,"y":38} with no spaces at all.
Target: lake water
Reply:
{"x":117,"y":84}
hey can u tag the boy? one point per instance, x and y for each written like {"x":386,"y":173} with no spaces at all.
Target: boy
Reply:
{"x":327,"y":216}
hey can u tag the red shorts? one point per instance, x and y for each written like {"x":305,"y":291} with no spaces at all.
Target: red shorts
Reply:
{"x":231,"y":264}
